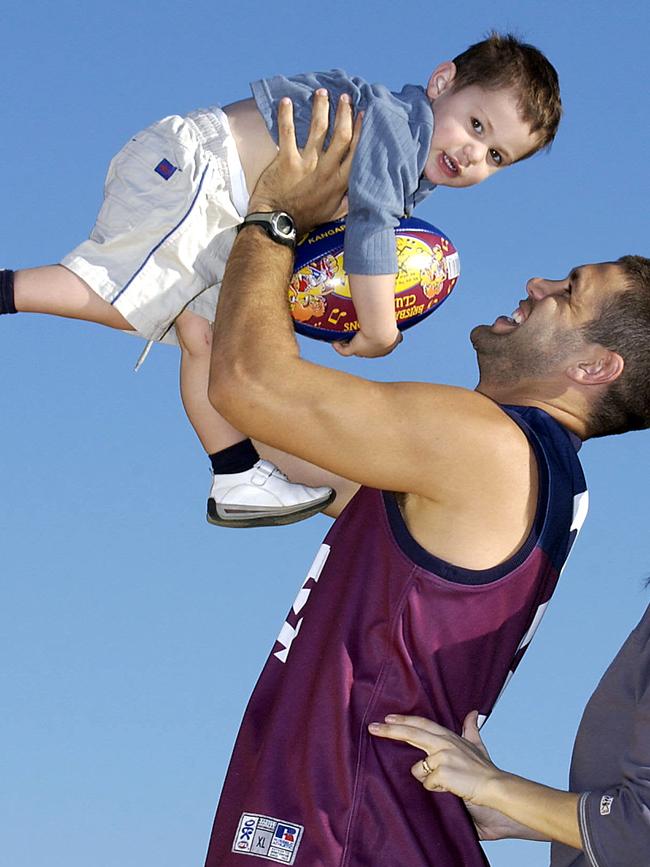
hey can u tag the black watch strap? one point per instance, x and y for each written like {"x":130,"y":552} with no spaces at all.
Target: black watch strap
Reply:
{"x":277,"y":224}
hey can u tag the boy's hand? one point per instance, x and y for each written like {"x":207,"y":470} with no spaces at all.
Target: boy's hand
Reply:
{"x":366,"y":347}
{"x":373,"y":296}
{"x":310,"y":184}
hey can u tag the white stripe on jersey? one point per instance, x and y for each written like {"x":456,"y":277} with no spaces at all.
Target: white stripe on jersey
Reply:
{"x":580,"y":508}
{"x":289,"y":632}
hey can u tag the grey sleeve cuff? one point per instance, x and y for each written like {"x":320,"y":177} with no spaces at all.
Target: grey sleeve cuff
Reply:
{"x":585,"y":834}
{"x":615,"y":826}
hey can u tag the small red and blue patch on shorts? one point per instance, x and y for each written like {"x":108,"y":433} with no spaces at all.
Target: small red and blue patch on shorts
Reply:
{"x":165,"y":169}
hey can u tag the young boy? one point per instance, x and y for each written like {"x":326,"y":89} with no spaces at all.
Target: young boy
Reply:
{"x":176,"y":193}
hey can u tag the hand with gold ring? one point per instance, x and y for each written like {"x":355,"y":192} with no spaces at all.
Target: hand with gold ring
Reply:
{"x":456,"y":764}
{"x":500,"y":804}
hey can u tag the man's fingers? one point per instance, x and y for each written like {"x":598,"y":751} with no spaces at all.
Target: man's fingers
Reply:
{"x":286,"y":128}
{"x":320,"y":112}
{"x":343,"y":128}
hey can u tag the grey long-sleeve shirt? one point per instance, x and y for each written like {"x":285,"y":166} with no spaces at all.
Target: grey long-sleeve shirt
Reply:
{"x":386,"y":180}
{"x":611,"y":764}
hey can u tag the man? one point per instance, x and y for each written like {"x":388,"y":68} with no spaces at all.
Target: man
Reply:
{"x":424,"y":599}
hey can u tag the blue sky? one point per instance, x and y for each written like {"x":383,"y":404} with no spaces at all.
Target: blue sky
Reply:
{"x":131,"y":632}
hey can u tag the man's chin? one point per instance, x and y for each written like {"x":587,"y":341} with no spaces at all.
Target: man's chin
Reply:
{"x":479,"y":335}
{"x":473,"y":332}
{"x":500,"y":359}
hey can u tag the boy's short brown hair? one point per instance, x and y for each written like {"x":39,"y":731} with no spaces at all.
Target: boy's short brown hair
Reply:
{"x":504,"y":61}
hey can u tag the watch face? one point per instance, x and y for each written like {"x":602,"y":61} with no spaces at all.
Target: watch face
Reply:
{"x":277,"y":224}
{"x":284,"y":224}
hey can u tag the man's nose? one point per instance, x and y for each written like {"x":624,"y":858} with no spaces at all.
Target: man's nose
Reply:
{"x":539,"y":287}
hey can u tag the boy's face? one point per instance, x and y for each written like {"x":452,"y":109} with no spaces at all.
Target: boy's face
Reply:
{"x":477,"y":132}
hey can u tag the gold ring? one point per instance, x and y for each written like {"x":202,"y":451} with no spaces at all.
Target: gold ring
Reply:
{"x":426,"y":768}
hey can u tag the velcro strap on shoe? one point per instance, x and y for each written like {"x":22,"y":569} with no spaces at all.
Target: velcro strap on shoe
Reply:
{"x":263,"y":470}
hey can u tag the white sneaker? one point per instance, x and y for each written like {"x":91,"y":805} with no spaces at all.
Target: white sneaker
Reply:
{"x":261,"y":497}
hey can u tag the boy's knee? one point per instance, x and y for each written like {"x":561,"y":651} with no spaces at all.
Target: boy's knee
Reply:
{"x":194,"y":334}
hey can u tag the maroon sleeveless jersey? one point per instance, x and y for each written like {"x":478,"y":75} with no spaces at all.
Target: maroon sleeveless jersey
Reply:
{"x":382,"y":626}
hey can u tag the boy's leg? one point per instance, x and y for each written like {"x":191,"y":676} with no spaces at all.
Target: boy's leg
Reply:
{"x":246,"y":491}
{"x":195,"y":338}
{"x":55,"y":290}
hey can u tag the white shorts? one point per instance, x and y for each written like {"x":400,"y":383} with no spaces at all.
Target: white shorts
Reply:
{"x":172,"y":199}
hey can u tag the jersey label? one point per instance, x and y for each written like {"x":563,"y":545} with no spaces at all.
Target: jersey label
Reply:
{"x":606,"y":805}
{"x":265,"y":837}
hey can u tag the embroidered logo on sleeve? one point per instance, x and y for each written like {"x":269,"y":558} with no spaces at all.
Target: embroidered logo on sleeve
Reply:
{"x":165,"y":169}
{"x":273,"y":839}
{"x":606,"y":805}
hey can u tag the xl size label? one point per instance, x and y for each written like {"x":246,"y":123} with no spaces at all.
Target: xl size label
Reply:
{"x":265,"y":837}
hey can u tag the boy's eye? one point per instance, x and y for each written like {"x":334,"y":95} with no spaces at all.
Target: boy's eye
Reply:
{"x":496,"y":156}
{"x":477,"y":125}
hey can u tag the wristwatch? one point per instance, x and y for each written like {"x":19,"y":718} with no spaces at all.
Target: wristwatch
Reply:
{"x":278,"y":225}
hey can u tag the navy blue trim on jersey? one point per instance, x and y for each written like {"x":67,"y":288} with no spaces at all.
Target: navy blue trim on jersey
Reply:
{"x":565,"y":472}
{"x":552,"y":503}
{"x":162,"y":241}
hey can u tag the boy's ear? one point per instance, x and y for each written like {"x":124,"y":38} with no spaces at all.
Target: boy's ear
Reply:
{"x":604,"y":367}
{"x":441,"y":79}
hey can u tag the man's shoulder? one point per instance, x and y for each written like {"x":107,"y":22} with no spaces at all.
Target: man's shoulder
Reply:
{"x":474,"y":409}
{"x":462,"y":430}
{"x":545,"y":431}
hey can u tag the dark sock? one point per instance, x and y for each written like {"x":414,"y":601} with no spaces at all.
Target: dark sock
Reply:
{"x":235,"y":459}
{"x":7,"y":292}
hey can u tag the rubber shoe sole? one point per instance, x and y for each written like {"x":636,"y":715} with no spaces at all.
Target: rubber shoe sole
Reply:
{"x":263,"y":519}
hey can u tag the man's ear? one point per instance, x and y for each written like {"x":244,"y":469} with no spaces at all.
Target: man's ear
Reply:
{"x":605,"y":366}
{"x":441,"y":79}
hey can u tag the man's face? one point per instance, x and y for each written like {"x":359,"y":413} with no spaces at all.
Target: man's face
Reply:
{"x":545,"y":332}
{"x":477,"y":132}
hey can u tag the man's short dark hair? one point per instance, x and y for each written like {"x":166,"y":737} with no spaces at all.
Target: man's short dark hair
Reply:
{"x":624,"y":327}
{"x":502,"y":61}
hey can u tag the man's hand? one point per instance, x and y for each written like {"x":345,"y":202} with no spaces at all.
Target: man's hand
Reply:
{"x":310,"y":185}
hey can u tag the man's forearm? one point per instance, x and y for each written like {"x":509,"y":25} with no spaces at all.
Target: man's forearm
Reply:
{"x":253,"y":332}
{"x":253,"y":317}
{"x":254,"y":345}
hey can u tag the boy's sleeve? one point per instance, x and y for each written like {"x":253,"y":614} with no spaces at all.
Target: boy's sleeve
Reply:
{"x":615,"y":822}
{"x":384,"y":172}
{"x":268,"y":92}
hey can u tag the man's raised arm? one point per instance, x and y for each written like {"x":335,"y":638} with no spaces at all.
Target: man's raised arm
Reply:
{"x":462,"y":449}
